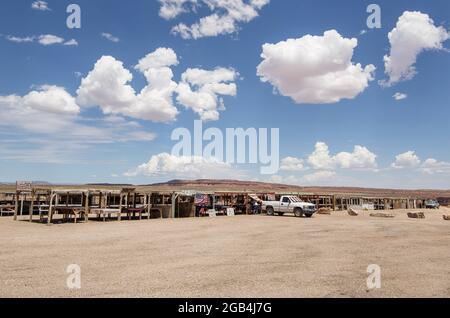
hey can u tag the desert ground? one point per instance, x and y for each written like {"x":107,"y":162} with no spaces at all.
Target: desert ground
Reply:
{"x":241,"y":256}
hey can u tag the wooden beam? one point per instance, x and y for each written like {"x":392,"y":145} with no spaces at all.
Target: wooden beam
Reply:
{"x":174,"y":198}
{"x":32,"y":206}
{"x":149,"y":206}
{"x":50,"y":208}
{"x":120,"y":207}
{"x":86,"y":206}
{"x":16,"y":206}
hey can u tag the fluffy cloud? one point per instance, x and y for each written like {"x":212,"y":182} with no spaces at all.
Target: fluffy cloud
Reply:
{"x":400,"y":96}
{"x":432,"y":166}
{"x":408,"y":159}
{"x":171,"y":166}
{"x":199,"y":90}
{"x":170,"y":9}
{"x":51,"y":99}
{"x":360,"y":158}
{"x":414,"y":33}
{"x":46,"y":110}
{"x":292,"y":164}
{"x":315,"y":69}
{"x":224,"y":19}
{"x":52,"y":110}
{"x":107,"y":86}
{"x":47,"y":127}
{"x":161,"y":57}
{"x":40,"y":5}
{"x":50,"y":39}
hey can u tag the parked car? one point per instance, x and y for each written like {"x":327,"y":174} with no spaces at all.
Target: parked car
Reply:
{"x":432,"y":204}
{"x":289,"y":204}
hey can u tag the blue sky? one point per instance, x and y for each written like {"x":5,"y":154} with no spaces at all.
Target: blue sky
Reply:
{"x":409,"y":137}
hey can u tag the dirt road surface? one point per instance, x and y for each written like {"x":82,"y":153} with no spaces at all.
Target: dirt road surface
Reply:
{"x":242,"y":256}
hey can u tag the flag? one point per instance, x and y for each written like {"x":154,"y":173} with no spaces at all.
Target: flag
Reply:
{"x":201,"y":199}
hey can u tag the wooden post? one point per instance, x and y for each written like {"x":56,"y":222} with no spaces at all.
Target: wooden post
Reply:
{"x":32,"y":206}
{"x":173,"y":205}
{"x":149,"y":206}
{"x":86,"y":207}
{"x":50,"y":208}
{"x":127,"y":200}
{"x":17,"y":205}
{"x":21,"y":205}
{"x":120,"y":206}
{"x":246,"y":205}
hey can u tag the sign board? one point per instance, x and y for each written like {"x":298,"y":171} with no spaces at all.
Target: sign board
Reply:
{"x":188,"y":193}
{"x":212,"y":213}
{"x":24,"y":186}
{"x":230,"y":211}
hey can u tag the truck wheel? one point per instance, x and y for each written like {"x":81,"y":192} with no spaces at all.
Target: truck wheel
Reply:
{"x":298,"y":212}
{"x":280,"y":213}
{"x":270,"y":211}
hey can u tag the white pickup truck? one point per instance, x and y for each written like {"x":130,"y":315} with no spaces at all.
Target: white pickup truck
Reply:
{"x":289,"y":204}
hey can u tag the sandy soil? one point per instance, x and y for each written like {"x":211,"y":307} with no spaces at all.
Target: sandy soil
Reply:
{"x":243,"y":256}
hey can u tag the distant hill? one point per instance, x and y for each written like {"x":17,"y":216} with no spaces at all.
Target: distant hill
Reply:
{"x":236,"y":185}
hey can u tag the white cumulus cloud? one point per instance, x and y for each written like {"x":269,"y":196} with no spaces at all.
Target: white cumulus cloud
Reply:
{"x":51,"y":99}
{"x":360,"y":158}
{"x":200,"y":90}
{"x":414,"y":33}
{"x":171,"y":166}
{"x":48,"y":127}
{"x":292,"y":164}
{"x":433,"y":166}
{"x":315,"y":69}
{"x":225,"y":17}
{"x":407,"y":159}
{"x":107,"y":86}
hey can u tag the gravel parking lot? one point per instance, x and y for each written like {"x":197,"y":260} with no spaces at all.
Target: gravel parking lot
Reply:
{"x":242,"y":256}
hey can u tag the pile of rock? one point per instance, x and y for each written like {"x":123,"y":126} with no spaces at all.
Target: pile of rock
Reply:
{"x":416,"y":215}
{"x":446,"y":217}
{"x":382,"y":215}
{"x":352,"y":212}
{"x":324,"y":211}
